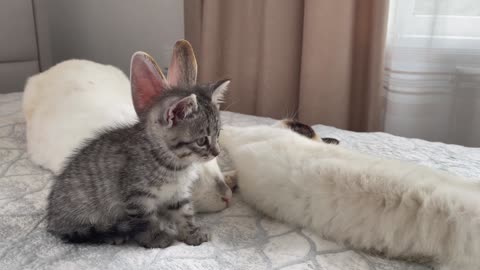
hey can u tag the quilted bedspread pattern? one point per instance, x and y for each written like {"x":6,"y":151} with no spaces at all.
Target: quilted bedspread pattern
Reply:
{"x":241,"y":237}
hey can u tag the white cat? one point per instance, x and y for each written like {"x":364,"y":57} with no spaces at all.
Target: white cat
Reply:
{"x":395,"y":208}
{"x":67,"y":103}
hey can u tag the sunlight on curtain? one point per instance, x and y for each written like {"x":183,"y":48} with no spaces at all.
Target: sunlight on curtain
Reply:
{"x":432,"y":70}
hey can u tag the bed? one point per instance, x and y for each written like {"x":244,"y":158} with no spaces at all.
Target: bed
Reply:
{"x":241,"y":237}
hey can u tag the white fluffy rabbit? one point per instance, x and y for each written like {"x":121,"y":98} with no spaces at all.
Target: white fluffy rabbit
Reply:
{"x":67,"y":103}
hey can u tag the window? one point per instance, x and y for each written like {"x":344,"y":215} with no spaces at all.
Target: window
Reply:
{"x":432,"y":70}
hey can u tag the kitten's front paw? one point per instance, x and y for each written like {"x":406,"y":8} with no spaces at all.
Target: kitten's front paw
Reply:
{"x":117,"y":240}
{"x":160,"y":240}
{"x":196,"y":237}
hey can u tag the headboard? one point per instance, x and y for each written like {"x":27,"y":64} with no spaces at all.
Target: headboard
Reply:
{"x":24,"y":42}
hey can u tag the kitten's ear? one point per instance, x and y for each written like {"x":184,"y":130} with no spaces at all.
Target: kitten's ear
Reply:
{"x":147,"y":81}
{"x":180,"y":110}
{"x":183,"y":67}
{"x":218,"y":91}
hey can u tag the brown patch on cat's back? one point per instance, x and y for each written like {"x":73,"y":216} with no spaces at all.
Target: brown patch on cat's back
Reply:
{"x":300,"y":128}
{"x":306,"y":131}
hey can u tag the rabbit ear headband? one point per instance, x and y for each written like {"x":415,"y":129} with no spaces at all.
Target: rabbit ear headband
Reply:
{"x":148,"y":80}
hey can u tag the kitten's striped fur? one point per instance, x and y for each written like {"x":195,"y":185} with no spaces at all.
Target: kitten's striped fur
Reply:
{"x":133,"y":182}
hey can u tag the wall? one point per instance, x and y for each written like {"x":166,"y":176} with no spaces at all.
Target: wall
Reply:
{"x":110,"y":31}
{"x":18,"y":47}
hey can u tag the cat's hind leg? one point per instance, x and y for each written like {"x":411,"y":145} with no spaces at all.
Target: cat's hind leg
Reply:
{"x":91,"y":235}
{"x":79,"y":236}
{"x":154,"y":239}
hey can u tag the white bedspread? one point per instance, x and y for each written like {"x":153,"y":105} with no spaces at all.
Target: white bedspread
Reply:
{"x":241,"y":237}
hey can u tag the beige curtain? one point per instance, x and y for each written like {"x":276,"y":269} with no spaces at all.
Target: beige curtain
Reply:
{"x":318,"y":60}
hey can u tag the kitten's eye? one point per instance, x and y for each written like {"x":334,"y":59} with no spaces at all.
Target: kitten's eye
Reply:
{"x":202,"y":141}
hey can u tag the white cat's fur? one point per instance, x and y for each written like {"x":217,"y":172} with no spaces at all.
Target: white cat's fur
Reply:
{"x":397,"y":208}
{"x":67,"y":103}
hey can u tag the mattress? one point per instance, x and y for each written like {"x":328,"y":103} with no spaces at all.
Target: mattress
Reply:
{"x":241,"y":237}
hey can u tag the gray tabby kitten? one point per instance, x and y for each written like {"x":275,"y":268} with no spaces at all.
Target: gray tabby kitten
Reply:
{"x":133,"y":182}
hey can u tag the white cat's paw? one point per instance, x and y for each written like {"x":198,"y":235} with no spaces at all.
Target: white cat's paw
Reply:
{"x":231,"y":179}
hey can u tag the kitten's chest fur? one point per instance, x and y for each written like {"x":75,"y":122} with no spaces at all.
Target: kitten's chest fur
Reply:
{"x":176,"y":187}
